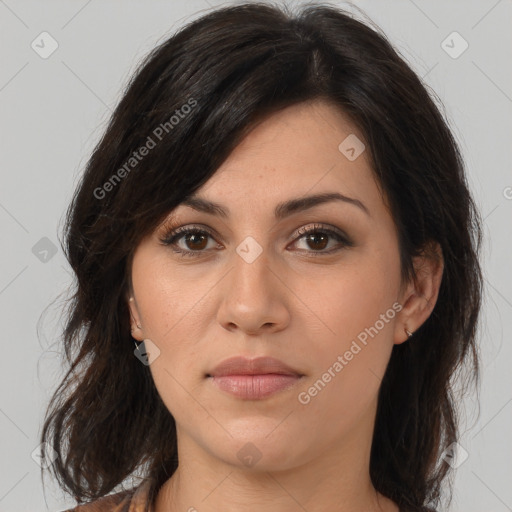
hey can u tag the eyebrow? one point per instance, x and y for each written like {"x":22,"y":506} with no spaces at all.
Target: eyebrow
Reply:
{"x":282,"y":210}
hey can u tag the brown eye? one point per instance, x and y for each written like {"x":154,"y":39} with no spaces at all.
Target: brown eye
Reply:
{"x":317,"y":238}
{"x":188,"y":241}
{"x":317,"y":241}
{"x":196,"y":241}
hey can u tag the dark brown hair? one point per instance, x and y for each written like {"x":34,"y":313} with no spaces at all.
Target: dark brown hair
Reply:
{"x":195,"y":96}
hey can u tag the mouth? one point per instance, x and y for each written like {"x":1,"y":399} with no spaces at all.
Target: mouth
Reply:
{"x":254,"y":387}
{"x":253,"y":379}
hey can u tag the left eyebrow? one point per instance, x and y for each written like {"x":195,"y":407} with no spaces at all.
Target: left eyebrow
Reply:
{"x":282,"y":210}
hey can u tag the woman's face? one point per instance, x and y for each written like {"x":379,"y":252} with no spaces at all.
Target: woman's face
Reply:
{"x":254,"y":284}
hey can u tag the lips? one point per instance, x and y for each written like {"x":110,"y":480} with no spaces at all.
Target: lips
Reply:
{"x":253,"y":379}
{"x":258,"y":366}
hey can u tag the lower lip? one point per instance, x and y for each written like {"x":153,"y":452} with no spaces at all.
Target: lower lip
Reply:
{"x":254,"y":387}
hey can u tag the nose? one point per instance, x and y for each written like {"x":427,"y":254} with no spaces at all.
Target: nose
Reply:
{"x":254,"y":296}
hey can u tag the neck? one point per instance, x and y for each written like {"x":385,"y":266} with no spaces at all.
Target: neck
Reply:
{"x":334,"y":479}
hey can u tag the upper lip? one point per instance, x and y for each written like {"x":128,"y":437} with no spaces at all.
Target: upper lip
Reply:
{"x":239,"y":365}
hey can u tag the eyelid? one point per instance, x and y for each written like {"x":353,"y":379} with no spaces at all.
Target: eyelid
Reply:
{"x":318,"y":226}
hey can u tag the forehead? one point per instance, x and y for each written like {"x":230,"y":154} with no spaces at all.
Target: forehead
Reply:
{"x":300,"y":150}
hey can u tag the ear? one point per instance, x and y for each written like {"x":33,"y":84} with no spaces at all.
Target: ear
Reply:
{"x":135,"y":324}
{"x":420,"y":295}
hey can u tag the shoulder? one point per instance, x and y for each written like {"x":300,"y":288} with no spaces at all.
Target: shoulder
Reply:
{"x":422,"y":509}
{"x":407,"y":508}
{"x":118,"y":502}
{"x":132,"y":500}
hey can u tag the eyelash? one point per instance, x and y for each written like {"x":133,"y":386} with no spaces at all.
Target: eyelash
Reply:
{"x":173,"y":235}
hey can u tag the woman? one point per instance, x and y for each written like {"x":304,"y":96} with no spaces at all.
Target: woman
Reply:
{"x":277,"y":217}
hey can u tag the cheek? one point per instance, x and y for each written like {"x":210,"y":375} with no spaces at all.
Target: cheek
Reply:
{"x":346,"y":299}
{"x":354,"y":337}
{"x":171,"y":302}
{"x":173,"y":319}
{"x":172,"y":312}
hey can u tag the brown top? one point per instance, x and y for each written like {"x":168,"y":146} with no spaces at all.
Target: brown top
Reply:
{"x":125,"y":501}
{"x":135,"y":501}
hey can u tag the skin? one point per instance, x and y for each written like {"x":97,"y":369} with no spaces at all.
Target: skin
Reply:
{"x":291,"y":302}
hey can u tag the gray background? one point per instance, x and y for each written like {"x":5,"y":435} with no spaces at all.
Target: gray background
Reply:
{"x":53,"y":111}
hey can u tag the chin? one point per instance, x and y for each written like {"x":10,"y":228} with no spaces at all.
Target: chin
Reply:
{"x":259,"y":453}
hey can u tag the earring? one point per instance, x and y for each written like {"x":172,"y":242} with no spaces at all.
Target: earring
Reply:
{"x":409,"y":333}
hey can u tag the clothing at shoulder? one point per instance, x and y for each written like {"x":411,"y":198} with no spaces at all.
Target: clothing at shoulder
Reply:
{"x":404,"y":508}
{"x":125,"y":501}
